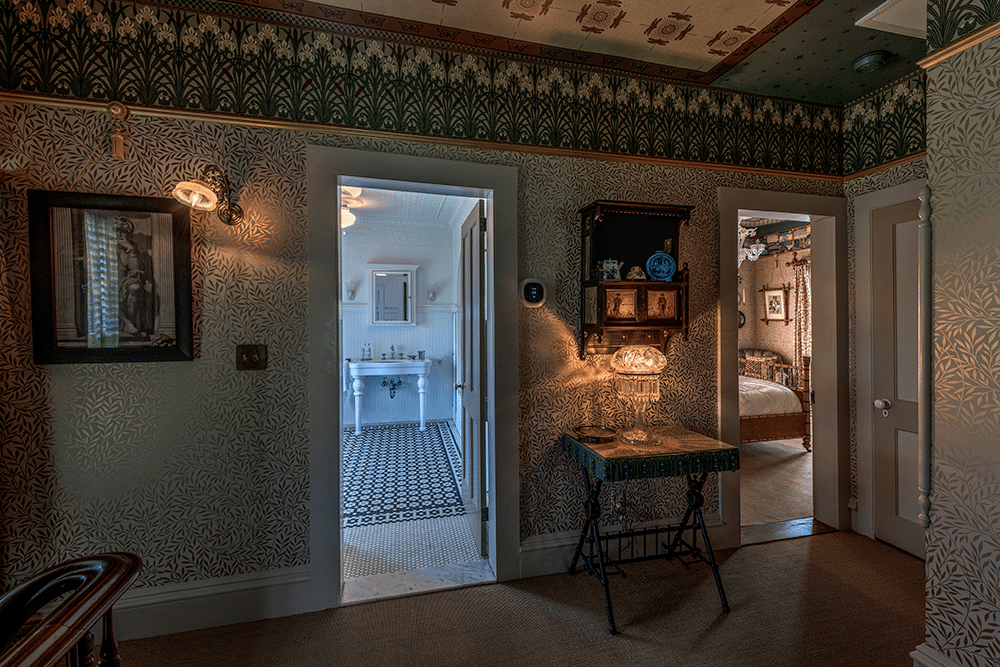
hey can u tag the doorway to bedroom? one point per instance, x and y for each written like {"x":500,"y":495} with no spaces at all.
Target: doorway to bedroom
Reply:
{"x":774,"y":356}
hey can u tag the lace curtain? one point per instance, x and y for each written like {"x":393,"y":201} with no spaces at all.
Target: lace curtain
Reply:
{"x":101,"y":252}
{"x":803,"y":313}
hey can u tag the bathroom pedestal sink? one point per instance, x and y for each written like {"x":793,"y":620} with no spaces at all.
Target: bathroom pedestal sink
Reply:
{"x":388,"y":367}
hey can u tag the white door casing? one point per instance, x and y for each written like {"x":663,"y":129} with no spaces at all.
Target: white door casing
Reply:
{"x":325,"y":166}
{"x":830,"y":365}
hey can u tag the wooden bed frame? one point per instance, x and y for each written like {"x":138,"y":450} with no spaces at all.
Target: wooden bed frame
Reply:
{"x":759,"y":428}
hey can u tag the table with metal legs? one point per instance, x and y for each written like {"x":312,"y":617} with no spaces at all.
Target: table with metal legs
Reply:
{"x":677,"y":452}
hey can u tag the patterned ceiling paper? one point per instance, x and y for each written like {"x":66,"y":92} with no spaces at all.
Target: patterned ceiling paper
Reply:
{"x":695,"y":36}
{"x":203,"y":470}
{"x":963,"y":548}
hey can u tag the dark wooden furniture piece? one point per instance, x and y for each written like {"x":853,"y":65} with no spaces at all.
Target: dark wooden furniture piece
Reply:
{"x":32,"y":639}
{"x":761,"y":428}
{"x":614,"y":313}
{"x":678,"y":453}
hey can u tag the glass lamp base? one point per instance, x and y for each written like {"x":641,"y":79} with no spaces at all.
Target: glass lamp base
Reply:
{"x":637,"y":436}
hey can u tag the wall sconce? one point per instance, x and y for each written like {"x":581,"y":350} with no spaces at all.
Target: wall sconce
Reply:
{"x":351,"y":290}
{"x":637,"y":377}
{"x":431,"y":295}
{"x":212,"y":192}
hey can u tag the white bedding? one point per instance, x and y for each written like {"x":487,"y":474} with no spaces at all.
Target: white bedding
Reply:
{"x":760,"y":397}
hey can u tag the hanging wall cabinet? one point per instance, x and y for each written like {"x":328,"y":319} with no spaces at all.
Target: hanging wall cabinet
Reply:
{"x":620,"y":240}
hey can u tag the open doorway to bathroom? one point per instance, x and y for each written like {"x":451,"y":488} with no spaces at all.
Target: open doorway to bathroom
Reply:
{"x":404,"y":493}
{"x":774,"y":359}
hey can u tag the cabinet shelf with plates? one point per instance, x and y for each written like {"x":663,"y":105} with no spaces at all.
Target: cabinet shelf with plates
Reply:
{"x":638,"y":242}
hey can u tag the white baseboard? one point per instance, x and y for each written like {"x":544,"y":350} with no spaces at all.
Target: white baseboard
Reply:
{"x":552,"y":553}
{"x":148,"y":612}
{"x":925,"y":656}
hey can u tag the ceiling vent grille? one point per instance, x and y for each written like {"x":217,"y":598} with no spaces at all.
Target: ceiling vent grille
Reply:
{"x":903,"y":17}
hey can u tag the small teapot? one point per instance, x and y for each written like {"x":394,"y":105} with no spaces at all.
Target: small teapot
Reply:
{"x":610,"y":269}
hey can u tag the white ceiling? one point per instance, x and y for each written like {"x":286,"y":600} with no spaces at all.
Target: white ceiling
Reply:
{"x":407,"y":209}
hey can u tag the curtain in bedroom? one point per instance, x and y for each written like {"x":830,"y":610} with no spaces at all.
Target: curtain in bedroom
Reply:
{"x":803,"y":313}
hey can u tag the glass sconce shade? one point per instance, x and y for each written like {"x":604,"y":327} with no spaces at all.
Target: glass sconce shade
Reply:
{"x":212,"y":192}
{"x":196,"y":194}
{"x":637,"y":377}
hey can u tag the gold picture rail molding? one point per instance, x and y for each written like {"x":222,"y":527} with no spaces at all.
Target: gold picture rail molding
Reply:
{"x":337,"y":130}
{"x":981,"y":35}
{"x":920,"y":155}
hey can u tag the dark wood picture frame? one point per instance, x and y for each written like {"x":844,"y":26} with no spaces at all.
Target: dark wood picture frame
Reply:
{"x":110,"y":278}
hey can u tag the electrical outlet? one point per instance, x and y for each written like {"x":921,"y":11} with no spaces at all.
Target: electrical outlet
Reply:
{"x":251,"y":357}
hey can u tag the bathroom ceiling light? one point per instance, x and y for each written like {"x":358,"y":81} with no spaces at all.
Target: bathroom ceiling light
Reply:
{"x":346,"y":217}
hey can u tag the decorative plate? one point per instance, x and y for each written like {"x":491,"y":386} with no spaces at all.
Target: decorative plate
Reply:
{"x":589,"y":433}
{"x":661,"y":266}
{"x":743,"y":319}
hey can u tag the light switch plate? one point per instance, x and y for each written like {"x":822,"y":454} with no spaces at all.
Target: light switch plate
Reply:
{"x":251,"y":357}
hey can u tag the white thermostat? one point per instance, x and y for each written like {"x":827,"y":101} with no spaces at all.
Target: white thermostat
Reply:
{"x":531,"y":293}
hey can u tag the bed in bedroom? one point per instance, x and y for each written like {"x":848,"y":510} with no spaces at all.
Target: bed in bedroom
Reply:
{"x":774,"y":398}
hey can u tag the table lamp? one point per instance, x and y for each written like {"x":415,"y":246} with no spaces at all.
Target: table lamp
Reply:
{"x":637,"y":377}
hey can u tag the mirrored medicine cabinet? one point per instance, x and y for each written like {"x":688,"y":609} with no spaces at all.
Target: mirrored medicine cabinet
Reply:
{"x":393,"y":287}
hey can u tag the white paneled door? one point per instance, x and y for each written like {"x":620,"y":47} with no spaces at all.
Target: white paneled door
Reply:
{"x":895,"y":386}
{"x":473,"y":378}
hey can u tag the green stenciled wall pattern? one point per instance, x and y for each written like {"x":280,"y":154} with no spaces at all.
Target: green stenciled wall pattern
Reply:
{"x":885,"y":126}
{"x":98,"y":49}
{"x":948,"y":20}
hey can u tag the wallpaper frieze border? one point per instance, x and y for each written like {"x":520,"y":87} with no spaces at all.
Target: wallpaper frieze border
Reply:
{"x":148,"y":55}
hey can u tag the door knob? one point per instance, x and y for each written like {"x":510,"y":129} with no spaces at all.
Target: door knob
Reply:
{"x":883,"y":404}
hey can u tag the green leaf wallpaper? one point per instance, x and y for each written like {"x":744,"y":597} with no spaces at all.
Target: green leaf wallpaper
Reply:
{"x":963,"y":544}
{"x":235,"y":63}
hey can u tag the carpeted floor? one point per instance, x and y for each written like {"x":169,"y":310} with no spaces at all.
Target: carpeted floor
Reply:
{"x":829,"y":600}
{"x":775,"y":482}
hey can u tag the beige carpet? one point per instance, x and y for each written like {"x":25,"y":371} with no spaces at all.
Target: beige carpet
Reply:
{"x":829,"y":600}
{"x":775,"y":482}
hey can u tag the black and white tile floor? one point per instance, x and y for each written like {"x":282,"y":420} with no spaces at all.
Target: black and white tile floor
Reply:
{"x":402,"y":506}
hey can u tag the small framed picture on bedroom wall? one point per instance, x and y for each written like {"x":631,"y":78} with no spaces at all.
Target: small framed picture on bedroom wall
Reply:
{"x":775,"y":304}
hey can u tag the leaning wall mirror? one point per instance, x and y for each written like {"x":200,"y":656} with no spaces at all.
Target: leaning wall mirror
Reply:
{"x":393,"y":287}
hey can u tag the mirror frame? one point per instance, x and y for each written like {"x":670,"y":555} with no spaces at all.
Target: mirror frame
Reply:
{"x":411,"y":278}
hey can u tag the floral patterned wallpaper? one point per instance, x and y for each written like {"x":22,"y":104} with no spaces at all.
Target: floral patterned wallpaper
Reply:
{"x":948,"y":20}
{"x":884,"y":126}
{"x":232,"y":61}
{"x":963,"y":548}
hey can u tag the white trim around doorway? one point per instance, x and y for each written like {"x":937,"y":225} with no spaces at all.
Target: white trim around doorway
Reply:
{"x":325,"y":166}
{"x":830,"y":365}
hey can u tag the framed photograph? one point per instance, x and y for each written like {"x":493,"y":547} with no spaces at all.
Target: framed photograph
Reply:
{"x":661,"y":305}
{"x":619,"y":304}
{"x":110,"y":278}
{"x":775,"y":304}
